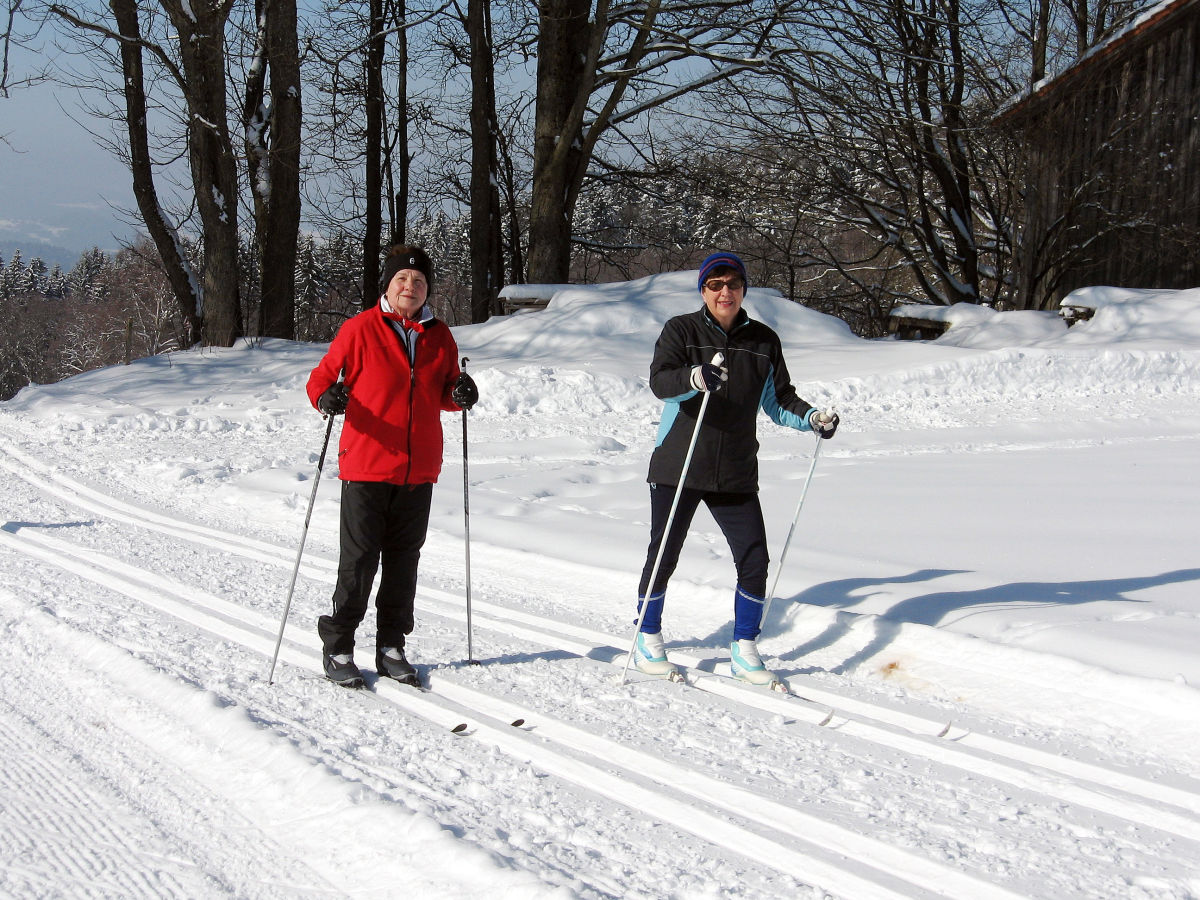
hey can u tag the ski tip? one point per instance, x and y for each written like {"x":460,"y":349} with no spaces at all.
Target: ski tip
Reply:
{"x":459,"y":728}
{"x":517,"y":723}
{"x":945,"y":731}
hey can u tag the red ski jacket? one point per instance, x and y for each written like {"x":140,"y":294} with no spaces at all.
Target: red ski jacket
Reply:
{"x":393,"y":428}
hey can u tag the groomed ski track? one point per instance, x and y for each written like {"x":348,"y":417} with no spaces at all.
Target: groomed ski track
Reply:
{"x":872,"y":721}
{"x":775,"y":835}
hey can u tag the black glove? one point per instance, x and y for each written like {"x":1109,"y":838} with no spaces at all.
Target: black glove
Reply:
{"x":333,"y":402}
{"x":707,"y":377}
{"x":824,"y":423}
{"x":465,"y":393}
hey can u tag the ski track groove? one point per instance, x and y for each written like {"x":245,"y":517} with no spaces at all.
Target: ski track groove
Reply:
{"x":63,"y":831}
{"x":46,"y":817}
{"x":897,"y":873}
{"x":995,"y":758}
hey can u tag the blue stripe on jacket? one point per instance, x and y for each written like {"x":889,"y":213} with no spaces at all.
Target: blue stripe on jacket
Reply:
{"x":780,"y":416}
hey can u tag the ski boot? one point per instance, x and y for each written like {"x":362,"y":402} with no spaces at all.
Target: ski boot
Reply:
{"x":746,"y":665}
{"x":341,"y":670}
{"x":650,"y":657}
{"x":390,"y":663}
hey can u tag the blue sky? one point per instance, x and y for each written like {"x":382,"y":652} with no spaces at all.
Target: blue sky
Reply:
{"x":56,"y":184}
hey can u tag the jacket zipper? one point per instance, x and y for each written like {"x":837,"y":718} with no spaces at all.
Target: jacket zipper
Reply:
{"x":412,"y":393}
{"x":720,"y":454}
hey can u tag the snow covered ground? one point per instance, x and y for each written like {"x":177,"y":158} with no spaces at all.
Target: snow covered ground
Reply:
{"x":989,"y":613}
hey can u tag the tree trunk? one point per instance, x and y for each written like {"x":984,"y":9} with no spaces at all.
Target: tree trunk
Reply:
{"x":1040,"y":43}
{"x":486,"y":271}
{"x":282,"y":227}
{"x":563,"y":41}
{"x":201,"y":30}
{"x":399,"y":157}
{"x":373,"y":176}
{"x":179,"y":273}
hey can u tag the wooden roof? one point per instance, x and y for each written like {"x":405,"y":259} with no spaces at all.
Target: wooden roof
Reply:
{"x":1141,"y":30}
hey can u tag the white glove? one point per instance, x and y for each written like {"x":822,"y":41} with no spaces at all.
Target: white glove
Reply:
{"x":823,"y":422}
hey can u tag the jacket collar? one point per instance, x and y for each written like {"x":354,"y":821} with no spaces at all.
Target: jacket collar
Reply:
{"x":419,"y":324}
{"x":739,"y":320}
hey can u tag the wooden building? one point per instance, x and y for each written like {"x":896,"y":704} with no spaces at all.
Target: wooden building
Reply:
{"x":1113,"y":189}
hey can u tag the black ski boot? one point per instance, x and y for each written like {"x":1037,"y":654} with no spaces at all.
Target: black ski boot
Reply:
{"x":341,"y":670}
{"x":390,"y":663}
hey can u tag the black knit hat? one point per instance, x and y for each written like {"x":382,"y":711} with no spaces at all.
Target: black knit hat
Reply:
{"x":405,"y":256}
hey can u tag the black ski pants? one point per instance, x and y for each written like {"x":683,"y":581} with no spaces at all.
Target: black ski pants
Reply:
{"x":740,"y":518}
{"x":382,"y":525}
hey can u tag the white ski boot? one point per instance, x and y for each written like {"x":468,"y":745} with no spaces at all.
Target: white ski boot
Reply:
{"x":746,"y":665}
{"x":650,"y":657}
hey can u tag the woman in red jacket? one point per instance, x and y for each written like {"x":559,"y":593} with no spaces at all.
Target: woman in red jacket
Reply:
{"x":399,"y":370}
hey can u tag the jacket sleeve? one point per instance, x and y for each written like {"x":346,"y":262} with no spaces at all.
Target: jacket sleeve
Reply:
{"x":328,"y":369}
{"x":670,"y":369}
{"x":779,"y":398}
{"x":452,"y":373}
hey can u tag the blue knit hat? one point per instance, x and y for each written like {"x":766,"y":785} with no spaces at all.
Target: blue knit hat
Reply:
{"x":717,"y":260}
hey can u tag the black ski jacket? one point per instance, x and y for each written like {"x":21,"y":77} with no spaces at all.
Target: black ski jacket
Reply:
{"x":726,"y":454}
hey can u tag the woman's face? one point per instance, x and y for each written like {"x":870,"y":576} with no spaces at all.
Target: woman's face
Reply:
{"x":406,"y":292}
{"x":723,"y":292}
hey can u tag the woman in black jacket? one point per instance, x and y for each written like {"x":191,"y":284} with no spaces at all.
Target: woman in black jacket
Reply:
{"x":723,"y":473}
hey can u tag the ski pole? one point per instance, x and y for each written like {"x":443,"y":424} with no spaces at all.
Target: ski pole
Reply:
{"x":300,"y":552}
{"x":662,"y":544}
{"x":467,"y":528}
{"x":788,"y":542}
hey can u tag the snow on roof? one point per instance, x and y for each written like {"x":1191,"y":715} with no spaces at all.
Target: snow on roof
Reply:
{"x":1149,"y":17}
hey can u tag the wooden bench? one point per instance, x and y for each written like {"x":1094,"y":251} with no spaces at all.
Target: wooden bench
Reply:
{"x":516,"y":297}
{"x":907,"y":328}
{"x":512,"y":304}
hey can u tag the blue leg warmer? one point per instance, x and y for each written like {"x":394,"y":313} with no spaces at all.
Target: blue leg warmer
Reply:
{"x":747,"y":611}
{"x":652,"y":623}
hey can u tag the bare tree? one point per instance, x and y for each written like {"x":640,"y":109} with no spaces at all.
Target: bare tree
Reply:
{"x":8,"y":27}
{"x":162,"y":232}
{"x":373,"y":174}
{"x":486,"y":266}
{"x":602,"y":67}
{"x":25,"y":340}
{"x":196,"y":66}
{"x":271,"y":123}
{"x":870,"y":133}
{"x":200,"y":29}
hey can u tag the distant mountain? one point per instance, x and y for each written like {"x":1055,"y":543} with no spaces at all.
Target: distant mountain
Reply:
{"x":50,"y":254}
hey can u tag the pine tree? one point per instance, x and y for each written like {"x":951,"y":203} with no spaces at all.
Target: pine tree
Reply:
{"x":85,"y":281}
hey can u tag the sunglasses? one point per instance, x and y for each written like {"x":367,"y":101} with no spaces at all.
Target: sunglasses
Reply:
{"x":716,"y":284}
